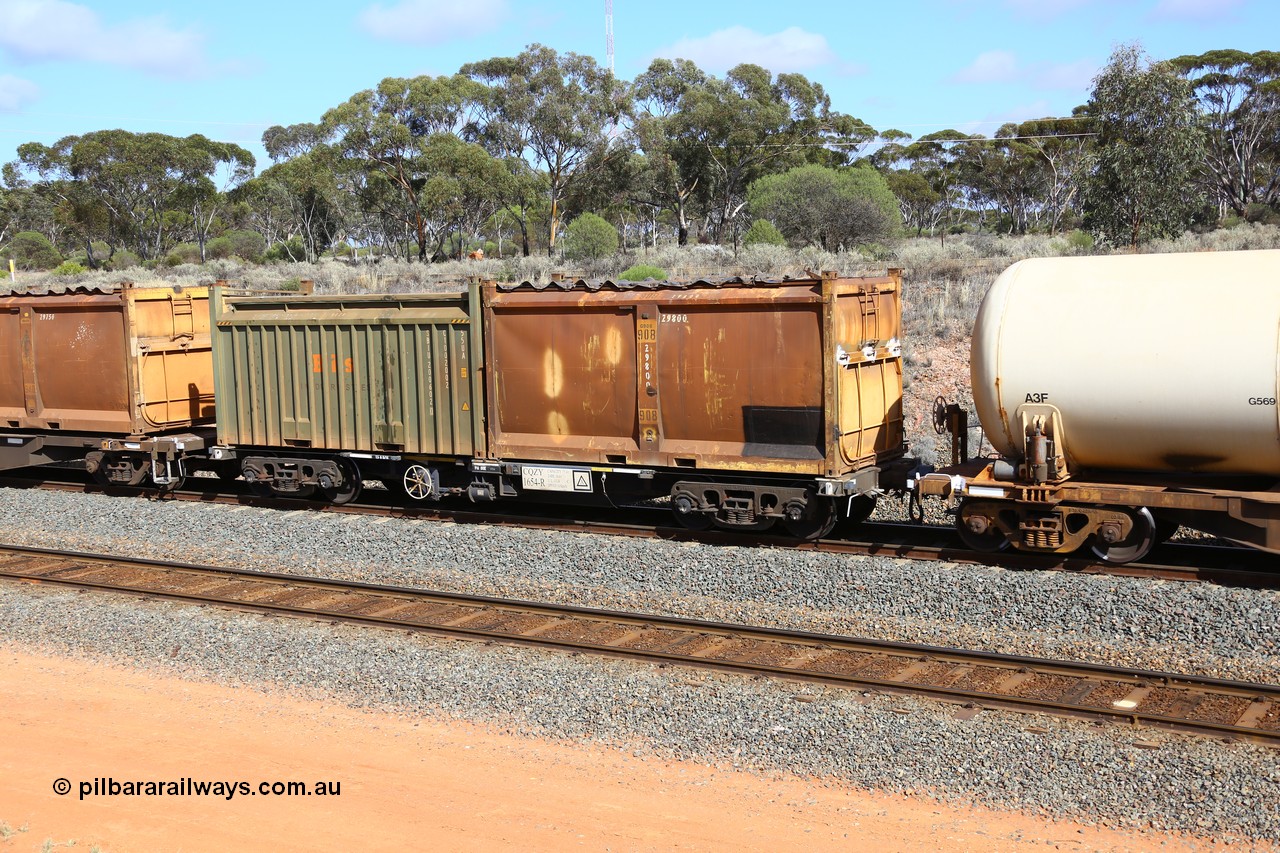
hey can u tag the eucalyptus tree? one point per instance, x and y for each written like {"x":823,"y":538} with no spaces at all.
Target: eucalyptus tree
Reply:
{"x":206,"y":200}
{"x":134,"y":187}
{"x":461,"y":188}
{"x":1063,"y":150}
{"x":554,"y":111}
{"x":387,"y":130}
{"x":675,"y":172}
{"x":919,"y":203}
{"x":753,"y":124}
{"x":1003,"y":173}
{"x":1239,"y":98}
{"x":522,"y":193}
{"x":1150,"y":145}
{"x":305,"y":189}
{"x":26,"y":208}
{"x":831,"y":208}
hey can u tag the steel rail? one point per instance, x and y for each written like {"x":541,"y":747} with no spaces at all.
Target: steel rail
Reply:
{"x":976,"y":679}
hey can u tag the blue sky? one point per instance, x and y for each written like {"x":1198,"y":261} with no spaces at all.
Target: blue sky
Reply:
{"x":230,"y":69}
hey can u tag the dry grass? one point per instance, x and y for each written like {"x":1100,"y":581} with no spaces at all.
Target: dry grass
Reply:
{"x":945,"y":279}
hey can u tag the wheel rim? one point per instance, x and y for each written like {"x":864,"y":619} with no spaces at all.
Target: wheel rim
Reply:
{"x":991,"y":540}
{"x":1135,"y":545}
{"x":100,"y":476}
{"x":684,"y":508}
{"x":417,"y":482}
{"x":350,"y":487}
{"x":819,"y":518}
{"x":860,"y":509}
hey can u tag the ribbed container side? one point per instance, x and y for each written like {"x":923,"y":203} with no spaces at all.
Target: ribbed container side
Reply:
{"x":352,"y":373}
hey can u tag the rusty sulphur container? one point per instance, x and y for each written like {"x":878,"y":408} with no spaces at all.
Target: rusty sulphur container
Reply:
{"x":790,"y":377}
{"x":358,"y":373}
{"x":128,"y":361}
{"x":1147,"y":362}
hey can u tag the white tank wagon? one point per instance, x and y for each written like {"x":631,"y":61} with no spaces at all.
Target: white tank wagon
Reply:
{"x":1149,"y":362}
{"x":1126,"y":395}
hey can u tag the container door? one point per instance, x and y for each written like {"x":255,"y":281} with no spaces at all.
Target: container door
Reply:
{"x":868,"y":375}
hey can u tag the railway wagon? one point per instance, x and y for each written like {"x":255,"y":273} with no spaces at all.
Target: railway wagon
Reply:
{"x":747,"y":402}
{"x":1127,"y":395}
{"x":318,"y":392}
{"x":121,"y":378}
{"x":744,"y":402}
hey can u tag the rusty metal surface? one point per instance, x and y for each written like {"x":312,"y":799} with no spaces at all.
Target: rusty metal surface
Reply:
{"x":131,"y":361}
{"x":357,"y":373}
{"x":1243,"y":510}
{"x":794,"y":376}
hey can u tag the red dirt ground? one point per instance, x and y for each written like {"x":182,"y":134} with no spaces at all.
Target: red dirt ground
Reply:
{"x":410,"y":784}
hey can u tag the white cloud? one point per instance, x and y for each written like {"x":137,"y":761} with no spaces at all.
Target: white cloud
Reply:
{"x":994,"y":66}
{"x":16,"y":93}
{"x":1002,"y":66}
{"x":1198,"y":10}
{"x":792,"y":49}
{"x":432,"y":21}
{"x":1068,"y":75}
{"x":34,"y":30}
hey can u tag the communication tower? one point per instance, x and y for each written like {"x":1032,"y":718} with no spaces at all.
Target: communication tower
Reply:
{"x":608,"y":33}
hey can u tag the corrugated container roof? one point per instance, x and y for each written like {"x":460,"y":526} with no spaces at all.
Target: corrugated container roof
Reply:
{"x":63,"y":291}
{"x":652,"y":284}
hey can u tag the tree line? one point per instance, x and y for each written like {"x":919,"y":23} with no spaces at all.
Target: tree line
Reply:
{"x":506,"y":152}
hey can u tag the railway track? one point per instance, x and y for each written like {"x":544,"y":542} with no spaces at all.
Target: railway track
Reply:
{"x":972,"y":680}
{"x":1182,"y":561}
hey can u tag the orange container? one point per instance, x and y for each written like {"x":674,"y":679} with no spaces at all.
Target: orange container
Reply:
{"x":796,"y":376}
{"x":129,"y":361}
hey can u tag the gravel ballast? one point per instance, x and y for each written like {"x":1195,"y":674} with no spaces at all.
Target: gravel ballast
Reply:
{"x":1069,"y":769}
{"x":1176,"y":626}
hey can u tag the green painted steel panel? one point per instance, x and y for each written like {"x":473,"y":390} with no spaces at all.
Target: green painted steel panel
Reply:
{"x":396,"y":373}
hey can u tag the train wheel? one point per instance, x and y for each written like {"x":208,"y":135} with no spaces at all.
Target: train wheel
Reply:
{"x":684,"y":507}
{"x":815,"y":520}
{"x":261,"y":489}
{"x":350,"y":488}
{"x":979,"y":532}
{"x":860,"y":509}
{"x":100,"y":476}
{"x":1134,"y":546}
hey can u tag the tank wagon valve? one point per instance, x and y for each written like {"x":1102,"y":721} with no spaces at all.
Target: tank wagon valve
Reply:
{"x":1039,"y":449}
